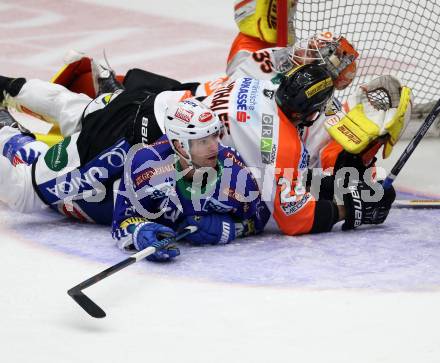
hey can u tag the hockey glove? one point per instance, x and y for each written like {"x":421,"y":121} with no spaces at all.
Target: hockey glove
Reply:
{"x":147,"y":233}
{"x":211,"y":229}
{"x":361,"y":211}
{"x":380,"y":109}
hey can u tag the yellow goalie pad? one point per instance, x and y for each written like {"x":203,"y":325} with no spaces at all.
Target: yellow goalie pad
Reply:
{"x":398,"y":124}
{"x":258,"y":18}
{"x":364,"y":123}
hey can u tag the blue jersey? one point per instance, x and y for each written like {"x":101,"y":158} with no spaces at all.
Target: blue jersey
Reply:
{"x":154,"y":188}
{"x":85,"y":192}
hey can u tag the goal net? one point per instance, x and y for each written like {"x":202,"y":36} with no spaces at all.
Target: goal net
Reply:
{"x":397,"y":37}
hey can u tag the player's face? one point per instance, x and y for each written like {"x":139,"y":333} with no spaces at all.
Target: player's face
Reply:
{"x":204,"y":151}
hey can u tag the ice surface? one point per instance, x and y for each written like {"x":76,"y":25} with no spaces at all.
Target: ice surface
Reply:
{"x":402,"y":255}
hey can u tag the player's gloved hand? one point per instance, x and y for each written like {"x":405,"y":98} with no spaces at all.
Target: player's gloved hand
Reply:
{"x":380,"y":109}
{"x":359,"y":210}
{"x":147,"y":234}
{"x":211,"y":229}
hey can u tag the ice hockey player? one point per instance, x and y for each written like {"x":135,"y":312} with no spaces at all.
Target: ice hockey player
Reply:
{"x":187,"y":178}
{"x":332,"y":143}
{"x":264,"y":123}
{"x":354,"y":136}
{"x":257,"y":45}
{"x":253,"y":112}
{"x":76,"y":179}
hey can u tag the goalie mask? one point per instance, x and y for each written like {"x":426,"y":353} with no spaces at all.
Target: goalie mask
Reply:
{"x":304,"y":93}
{"x":190,"y":120}
{"x":331,"y":50}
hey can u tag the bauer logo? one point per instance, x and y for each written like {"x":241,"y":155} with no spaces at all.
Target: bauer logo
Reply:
{"x":56,"y":157}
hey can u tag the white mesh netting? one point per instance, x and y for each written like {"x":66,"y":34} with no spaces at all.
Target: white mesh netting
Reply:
{"x":397,"y":37}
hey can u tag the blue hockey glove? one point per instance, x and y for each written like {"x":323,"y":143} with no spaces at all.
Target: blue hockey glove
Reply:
{"x":147,"y":233}
{"x":211,"y":229}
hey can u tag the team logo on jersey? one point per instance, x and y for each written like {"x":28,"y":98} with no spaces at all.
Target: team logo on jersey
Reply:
{"x":152,"y":172}
{"x":242,"y":116}
{"x":267,"y":147}
{"x":242,"y":99}
{"x":56,"y":158}
{"x":293,"y":207}
{"x":268,"y":93}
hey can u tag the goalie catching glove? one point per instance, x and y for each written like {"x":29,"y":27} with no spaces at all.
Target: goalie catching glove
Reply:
{"x":378,"y":114}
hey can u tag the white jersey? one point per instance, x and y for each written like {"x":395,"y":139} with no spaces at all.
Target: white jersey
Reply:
{"x":271,"y":147}
{"x":265,"y":64}
{"x":268,"y":65}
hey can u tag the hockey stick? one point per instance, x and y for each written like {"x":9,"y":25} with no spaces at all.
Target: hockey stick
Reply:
{"x":412,"y":145}
{"x":87,"y":304}
{"x":416,"y":203}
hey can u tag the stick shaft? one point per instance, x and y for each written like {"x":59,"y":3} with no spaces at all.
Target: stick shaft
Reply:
{"x":124,"y":263}
{"x":412,"y":145}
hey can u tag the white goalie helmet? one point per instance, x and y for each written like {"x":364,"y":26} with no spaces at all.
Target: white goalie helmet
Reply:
{"x":190,"y":120}
{"x":331,"y":50}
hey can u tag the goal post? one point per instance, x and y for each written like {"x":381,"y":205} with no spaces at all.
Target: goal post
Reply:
{"x":282,"y":23}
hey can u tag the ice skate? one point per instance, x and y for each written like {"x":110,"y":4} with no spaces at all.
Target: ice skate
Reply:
{"x":104,"y":78}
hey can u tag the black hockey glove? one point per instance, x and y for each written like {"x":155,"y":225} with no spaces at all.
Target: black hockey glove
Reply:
{"x":359,"y":210}
{"x":347,"y":160}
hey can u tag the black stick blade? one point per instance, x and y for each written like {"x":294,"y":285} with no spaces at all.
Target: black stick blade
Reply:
{"x":86,"y":303}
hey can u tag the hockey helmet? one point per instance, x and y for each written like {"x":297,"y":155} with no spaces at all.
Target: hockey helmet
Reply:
{"x":331,"y":50}
{"x":304,"y":93}
{"x":190,"y":120}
